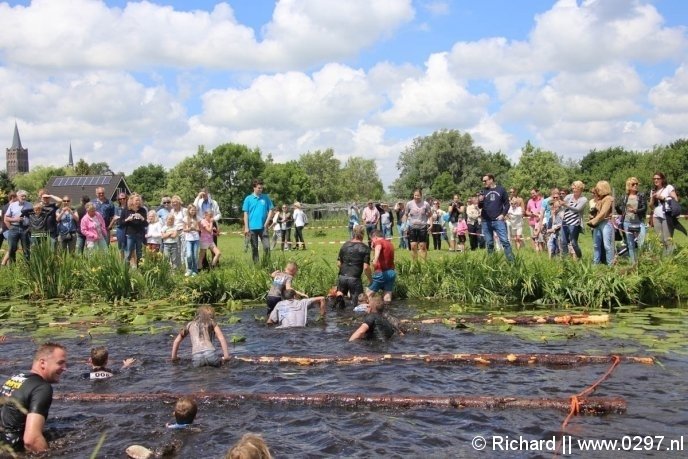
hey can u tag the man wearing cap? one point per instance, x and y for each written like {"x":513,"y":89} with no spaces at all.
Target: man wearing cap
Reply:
{"x":50,"y":205}
{"x":17,"y":221}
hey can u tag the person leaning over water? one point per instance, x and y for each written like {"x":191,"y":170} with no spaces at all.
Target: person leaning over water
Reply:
{"x":28,"y":396}
{"x":202,"y":330}
{"x":292,"y":312}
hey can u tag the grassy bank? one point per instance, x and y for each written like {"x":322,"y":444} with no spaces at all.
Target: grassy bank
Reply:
{"x":466,"y":278}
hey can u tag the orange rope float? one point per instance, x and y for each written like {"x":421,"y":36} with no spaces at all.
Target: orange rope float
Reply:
{"x":575,"y":399}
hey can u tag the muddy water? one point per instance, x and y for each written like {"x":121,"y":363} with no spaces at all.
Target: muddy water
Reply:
{"x":656,"y":395}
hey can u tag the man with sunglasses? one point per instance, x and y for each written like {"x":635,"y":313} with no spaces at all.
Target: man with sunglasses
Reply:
{"x":494,"y":204}
{"x":164,"y":209}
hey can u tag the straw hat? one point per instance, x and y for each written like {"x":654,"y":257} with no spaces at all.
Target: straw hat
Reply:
{"x":297,"y":204}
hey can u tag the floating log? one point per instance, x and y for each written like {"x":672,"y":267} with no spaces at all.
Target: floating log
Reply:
{"x":589,"y":405}
{"x":480,"y":359}
{"x":571,"y":319}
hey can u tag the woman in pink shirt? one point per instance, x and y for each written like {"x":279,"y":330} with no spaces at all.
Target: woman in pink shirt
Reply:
{"x":93,"y":228}
{"x":533,"y":209}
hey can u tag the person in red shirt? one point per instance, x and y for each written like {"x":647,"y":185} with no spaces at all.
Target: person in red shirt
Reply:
{"x":383,"y":264}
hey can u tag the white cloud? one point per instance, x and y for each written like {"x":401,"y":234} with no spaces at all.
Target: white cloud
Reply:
{"x":336,"y":95}
{"x":435,"y":99}
{"x":89,"y":34}
{"x":438,"y":8}
{"x":574,"y":37}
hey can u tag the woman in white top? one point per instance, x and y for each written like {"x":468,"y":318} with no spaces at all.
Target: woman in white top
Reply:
{"x":191,"y":238}
{"x":662,"y":222}
{"x":300,"y":220}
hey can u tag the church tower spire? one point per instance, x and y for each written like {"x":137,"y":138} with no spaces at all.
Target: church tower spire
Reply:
{"x":17,"y":157}
{"x":71,"y":158}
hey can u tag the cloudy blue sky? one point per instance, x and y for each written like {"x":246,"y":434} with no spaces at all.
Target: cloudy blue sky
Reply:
{"x":133,"y":83}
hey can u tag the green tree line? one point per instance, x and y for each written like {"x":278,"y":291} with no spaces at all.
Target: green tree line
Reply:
{"x":442,"y":164}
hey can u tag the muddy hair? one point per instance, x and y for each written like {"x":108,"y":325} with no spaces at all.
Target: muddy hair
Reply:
{"x":205,"y":319}
{"x":185,"y":410}
{"x":99,"y":356}
{"x":250,"y":446}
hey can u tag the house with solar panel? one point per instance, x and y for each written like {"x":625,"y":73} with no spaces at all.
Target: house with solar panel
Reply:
{"x":80,"y":185}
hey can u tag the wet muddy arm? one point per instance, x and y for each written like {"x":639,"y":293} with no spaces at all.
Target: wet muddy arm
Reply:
{"x":175,"y":346}
{"x":34,"y":440}
{"x":358,"y":334}
{"x":223,"y":342}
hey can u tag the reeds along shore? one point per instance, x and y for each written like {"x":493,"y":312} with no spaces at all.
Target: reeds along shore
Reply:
{"x":469,"y":278}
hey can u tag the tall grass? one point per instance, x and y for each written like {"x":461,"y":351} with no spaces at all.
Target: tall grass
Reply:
{"x":473,"y":278}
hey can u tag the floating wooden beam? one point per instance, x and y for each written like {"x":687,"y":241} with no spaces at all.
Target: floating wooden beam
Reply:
{"x":589,"y":405}
{"x":571,"y":319}
{"x":473,"y":359}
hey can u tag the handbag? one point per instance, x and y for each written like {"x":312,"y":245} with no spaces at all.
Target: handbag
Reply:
{"x":673,"y":208}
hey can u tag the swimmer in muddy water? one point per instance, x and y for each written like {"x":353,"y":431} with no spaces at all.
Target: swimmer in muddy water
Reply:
{"x":185,"y":410}
{"x":202,"y":330}
{"x":98,"y":362}
{"x":377,"y":324}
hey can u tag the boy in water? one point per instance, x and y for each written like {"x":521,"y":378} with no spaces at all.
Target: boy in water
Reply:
{"x":99,"y":360}
{"x":184,"y":413}
{"x":202,"y":330}
{"x":281,"y":281}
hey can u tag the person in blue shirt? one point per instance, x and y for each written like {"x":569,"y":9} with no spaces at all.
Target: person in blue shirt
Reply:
{"x":257,"y":210}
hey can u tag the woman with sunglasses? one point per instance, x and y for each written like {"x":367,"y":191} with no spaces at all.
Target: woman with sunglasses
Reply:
{"x":632,"y":209}
{"x":662,"y":192}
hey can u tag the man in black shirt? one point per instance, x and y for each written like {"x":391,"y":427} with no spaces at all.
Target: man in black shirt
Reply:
{"x":376,"y":325}
{"x":353,"y":260}
{"x":34,"y":393}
